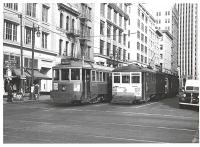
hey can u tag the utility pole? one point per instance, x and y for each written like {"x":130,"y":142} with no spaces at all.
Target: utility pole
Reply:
{"x":21,"y":48}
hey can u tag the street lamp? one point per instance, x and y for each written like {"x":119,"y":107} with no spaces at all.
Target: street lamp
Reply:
{"x":37,"y":31}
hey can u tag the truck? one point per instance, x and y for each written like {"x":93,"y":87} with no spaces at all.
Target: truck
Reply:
{"x":190,"y":94}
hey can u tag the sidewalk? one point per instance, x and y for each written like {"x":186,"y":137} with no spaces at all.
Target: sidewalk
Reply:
{"x":42,"y":98}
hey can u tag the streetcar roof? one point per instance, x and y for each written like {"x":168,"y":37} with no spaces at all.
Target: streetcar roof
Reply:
{"x":132,"y":68}
{"x":86,"y":65}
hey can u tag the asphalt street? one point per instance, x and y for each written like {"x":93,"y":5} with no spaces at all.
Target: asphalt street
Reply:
{"x":152,"y":122}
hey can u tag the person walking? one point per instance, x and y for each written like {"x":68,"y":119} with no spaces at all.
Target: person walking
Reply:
{"x":10,"y":91}
{"x":36,"y":92}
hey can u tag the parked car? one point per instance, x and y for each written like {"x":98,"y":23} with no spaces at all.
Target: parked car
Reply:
{"x":190,"y":95}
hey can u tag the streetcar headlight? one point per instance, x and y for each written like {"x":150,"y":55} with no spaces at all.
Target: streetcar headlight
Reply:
{"x":184,"y":95}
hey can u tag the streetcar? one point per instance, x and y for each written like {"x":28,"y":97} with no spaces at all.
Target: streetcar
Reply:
{"x":133,"y":83}
{"x":76,"y":82}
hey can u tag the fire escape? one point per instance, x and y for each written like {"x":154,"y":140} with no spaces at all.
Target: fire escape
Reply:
{"x":84,"y":30}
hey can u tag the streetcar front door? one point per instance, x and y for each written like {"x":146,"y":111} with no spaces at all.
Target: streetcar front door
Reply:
{"x":86,"y":83}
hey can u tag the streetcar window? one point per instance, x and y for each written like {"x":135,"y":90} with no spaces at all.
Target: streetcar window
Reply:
{"x":101,"y":76}
{"x":135,"y":79}
{"x":56,"y":74}
{"x":125,"y":78}
{"x":75,"y":74}
{"x":116,"y":79}
{"x":97,"y":75}
{"x":93,"y":75}
{"x":64,"y":74}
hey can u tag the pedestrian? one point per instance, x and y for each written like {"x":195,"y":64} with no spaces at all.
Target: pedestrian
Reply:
{"x":36,"y":91}
{"x":10,"y":91}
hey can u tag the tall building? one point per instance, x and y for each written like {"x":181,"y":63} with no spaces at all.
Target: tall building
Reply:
{"x":187,"y":41}
{"x":111,"y":36}
{"x":144,"y":47}
{"x":167,"y":19}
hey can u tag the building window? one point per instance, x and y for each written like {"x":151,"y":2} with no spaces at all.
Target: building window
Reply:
{"x":108,"y":49}
{"x":120,"y":20}
{"x":145,"y":50}
{"x":125,"y":23}
{"x":101,"y":46}
{"x":102,"y":9}
{"x":139,"y":12}
{"x":108,"y":30}
{"x":138,"y":23}
{"x":61,"y":20}
{"x":138,"y":34}
{"x":115,"y":17}
{"x":142,"y":37}
{"x":142,"y":16}
{"x":145,"y":60}
{"x":142,"y":27}
{"x":161,"y":56}
{"x":60,"y":46}
{"x":31,"y":9}
{"x":28,"y":35}
{"x":10,"y":31}
{"x":44,"y":40}
{"x":12,"y":6}
{"x":114,"y":51}
{"x":146,"y":29}
{"x":124,"y":39}
{"x":67,"y":23}
{"x":142,"y":47}
{"x":128,"y":56}
{"x":138,"y":45}
{"x":109,"y":13}
{"x":45,"y":13}
{"x":66,"y":48}
{"x":146,"y":39}
{"x":72,"y":51}
{"x":142,"y":58}
{"x":120,"y":36}
{"x":114,"y":33}
{"x":72,"y":25}
{"x":102,"y":28}
{"x":138,"y":57}
{"x":87,"y":53}
{"x":28,"y":63}
{"x":124,"y":55}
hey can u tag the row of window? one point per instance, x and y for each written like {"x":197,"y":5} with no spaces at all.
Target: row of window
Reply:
{"x":115,"y":30}
{"x":126,"y":78}
{"x":117,"y":52}
{"x":141,"y":26}
{"x":142,"y":15}
{"x":115,"y":15}
{"x":10,"y":33}
{"x":166,"y":13}
{"x":143,"y":59}
{"x":142,"y":38}
{"x":74,"y":74}
{"x":27,"y":61}
{"x":143,"y":47}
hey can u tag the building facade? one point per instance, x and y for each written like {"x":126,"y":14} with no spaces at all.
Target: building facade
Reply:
{"x":166,"y":43}
{"x":144,"y":48}
{"x":111,"y":36}
{"x":167,"y":19}
{"x":50,"y":32}
{"x":188,"y":41}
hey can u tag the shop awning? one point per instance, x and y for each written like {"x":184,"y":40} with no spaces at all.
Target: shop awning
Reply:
{"x":38,"y":75}
{"x":17,"y":72}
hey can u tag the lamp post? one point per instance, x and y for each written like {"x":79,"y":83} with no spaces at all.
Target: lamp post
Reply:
{"x":34,"y":30}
